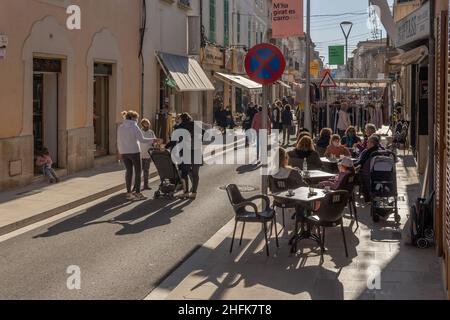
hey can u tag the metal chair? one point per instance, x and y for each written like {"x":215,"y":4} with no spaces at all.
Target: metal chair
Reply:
{"x":329,"y":215}
{"x":240,"y":205}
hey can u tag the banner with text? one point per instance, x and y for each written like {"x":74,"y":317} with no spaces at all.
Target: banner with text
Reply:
{"x":287,"y":18}
{"x":336,"y":55}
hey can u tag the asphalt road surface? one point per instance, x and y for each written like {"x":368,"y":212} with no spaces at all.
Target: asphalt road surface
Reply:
{"x":122,"y":249}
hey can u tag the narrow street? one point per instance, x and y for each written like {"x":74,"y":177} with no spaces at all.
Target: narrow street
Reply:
{"x":122,"y":249}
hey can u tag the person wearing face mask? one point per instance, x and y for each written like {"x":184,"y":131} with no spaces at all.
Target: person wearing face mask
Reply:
{"x":336,"y":149}
{"x":350,"y":138}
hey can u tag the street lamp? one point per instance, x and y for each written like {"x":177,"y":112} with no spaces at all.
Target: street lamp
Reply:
{"x":346,"y":27}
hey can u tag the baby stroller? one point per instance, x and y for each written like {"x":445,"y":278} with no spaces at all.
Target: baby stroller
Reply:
{"x":422,"y":225}
{"x":168,"y":173}
{"x":383,"y":186}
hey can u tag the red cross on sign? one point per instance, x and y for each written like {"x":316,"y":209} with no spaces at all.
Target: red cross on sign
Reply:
{"x":327,"y":81}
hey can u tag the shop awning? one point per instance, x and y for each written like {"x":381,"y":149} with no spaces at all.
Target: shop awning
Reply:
{"x":186,"y":72}
{"x":240,"y":82}
{"x":410,"y":57}
{"x":283,"y":84}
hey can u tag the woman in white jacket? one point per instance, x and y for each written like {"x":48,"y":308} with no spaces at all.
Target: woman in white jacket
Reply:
{"x":128,"y":138}
{"x":343,"y":121}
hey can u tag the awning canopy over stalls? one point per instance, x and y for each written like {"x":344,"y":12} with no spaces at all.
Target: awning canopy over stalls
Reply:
{"x":240,"y":81}
{"x":414,"y":56}
{"x":186,"y":72}
{"x":283,"y":84}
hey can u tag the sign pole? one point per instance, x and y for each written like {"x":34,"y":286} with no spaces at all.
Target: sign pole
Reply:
{"x":327,"y":93}
{"x":307,"y":122}
{"x":263,"y":142}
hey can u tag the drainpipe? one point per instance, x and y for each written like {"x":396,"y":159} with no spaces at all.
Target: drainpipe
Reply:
{"x":431,"y":95}
{"x":142,"y":31}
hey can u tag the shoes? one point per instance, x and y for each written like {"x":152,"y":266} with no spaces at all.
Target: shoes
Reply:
{"x":193,"y":196}
{"x":139,"y":196}
{"x":183,"y":196}
{"x":147,"y":188}
{"x":131,"y":197}
{"x":52,"y":181}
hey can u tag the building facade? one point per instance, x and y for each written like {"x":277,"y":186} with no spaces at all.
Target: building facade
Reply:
{"x":64,"y":89}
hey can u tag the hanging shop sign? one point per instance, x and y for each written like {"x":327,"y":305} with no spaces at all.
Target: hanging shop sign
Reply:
{"x":314,"y":69}
{"x":3,"y":45}
{"x":287,"y":18}
{"x":336,"y":55}
{"x":238,"y":62}
{"x":415,"y":26}
{"x":213,"y":56}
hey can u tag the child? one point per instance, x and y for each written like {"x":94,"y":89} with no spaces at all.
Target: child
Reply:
{"x":346,"y":168}
{"x":45,"y":162}
{"x":145,"y":156}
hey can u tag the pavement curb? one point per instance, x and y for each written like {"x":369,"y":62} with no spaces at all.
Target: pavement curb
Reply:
{"x":61,"y":209}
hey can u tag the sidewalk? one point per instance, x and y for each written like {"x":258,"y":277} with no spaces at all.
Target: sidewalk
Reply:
{"x":406,"y":272}
{"x":38,"y":201}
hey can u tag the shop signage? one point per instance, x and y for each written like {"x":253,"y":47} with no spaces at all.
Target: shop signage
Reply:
{"x":238,"y":62}
{"x":287,"y":18}
{"x":415,"y":26}
{"x":314,"y":69}
{"x":213,"y":56}
{"x":336,"y":55}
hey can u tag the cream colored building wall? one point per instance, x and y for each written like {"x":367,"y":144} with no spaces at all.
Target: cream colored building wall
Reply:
{"x":109,"y":33}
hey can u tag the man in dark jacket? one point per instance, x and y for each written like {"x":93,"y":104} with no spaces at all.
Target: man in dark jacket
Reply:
{"x":373,"y":145}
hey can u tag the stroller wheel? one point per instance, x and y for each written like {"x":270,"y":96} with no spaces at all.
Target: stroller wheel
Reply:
{"x":398,"y":219}
{"x":429,"y":234}
{"x":422,"y":243}
{"x":157,"y":195}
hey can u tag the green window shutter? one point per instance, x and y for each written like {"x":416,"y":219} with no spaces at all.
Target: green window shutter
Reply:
{"x":238,"y":28}
{"x":212,"y":20}
{"x":249,"y":33}
{"x":226,"y":24}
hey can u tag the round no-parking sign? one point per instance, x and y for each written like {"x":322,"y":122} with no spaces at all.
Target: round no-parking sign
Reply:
{"x":265,"y":63}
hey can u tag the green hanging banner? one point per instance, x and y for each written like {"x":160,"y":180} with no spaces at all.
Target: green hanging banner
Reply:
{"x":336,"y":55}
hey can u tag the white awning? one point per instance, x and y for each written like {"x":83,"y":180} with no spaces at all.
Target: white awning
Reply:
{"x":283,"y":84}
{"x":414,"y":56}
{"x":240,"y":81}
{"x":186,"y":72}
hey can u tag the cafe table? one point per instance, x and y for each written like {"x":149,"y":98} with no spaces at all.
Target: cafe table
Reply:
{"x":326,"y":160}
{"x":313,"y":177}
{"x":303,"y":198}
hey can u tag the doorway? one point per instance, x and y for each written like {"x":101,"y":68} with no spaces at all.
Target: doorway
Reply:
{"x":102,"y":73}
{"x":45,"y":107}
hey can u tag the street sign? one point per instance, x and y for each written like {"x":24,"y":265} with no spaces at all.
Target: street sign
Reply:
{"x":265,"y":63}
{"x":327,"y":81}
{"x":336,"y":55}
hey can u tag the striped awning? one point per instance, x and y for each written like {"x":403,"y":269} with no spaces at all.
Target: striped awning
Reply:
{"x":186,"y":72}
{"x":240,"y":81}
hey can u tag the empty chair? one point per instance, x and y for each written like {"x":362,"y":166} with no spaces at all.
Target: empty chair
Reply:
{"x":240,"y":206}
{"x":330,"y":214}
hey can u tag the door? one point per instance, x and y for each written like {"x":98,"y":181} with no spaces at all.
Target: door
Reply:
{"x":38,"y":114}
{"x":101,"y":115}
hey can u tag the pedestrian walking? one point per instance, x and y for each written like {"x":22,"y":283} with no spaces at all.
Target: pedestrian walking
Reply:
{"x":257,"y":125}
{"x":287,"y":120}
{"x":44,"y":162}
{"x":128,"y":138}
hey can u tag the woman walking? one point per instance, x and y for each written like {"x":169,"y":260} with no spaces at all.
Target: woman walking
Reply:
{"x":128,"y":138}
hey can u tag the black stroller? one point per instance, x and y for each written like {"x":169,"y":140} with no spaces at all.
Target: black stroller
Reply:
{"x":168,"y":173}
{"x":383,"y":186}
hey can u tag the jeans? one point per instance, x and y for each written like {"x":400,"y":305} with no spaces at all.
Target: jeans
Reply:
{"x":49,"y":173}
{"x":190,"y":171}
{"x":146,"y":169}
{"x":133,"y":161}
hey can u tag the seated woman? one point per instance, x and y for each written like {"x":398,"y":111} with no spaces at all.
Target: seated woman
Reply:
{"x":305,"y":150}
{"x":350,"y":138}
{"x":345,"y":168}
{"x":336,"y":149}
{"x":285,"y":172}
{"x":324,"y":140}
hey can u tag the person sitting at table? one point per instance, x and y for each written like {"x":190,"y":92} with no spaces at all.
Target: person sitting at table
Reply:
{"x":369,"y":131}
{"x":373,"y":145}
{"x":336,"y":149}
{"x":324,"y":140}
{"x":305,"y":151}
{"x":302,"y":134}
{"x":286,"y":172}
{"x":345,"y":168}
{"x":350,"y":138}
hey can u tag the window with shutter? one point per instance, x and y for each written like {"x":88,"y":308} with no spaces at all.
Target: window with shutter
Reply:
{"x":447,"y":164}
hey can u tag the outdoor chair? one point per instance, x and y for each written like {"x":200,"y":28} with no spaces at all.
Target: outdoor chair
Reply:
{"x":280,"y":185}
{"x":348,"y":184}
{"x":329,"y":215}
{"x":240,"y":205}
